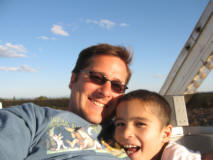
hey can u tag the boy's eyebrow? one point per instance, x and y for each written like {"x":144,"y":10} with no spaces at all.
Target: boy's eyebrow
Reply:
{"x":132,"y":118}
{"x":117,"y":119}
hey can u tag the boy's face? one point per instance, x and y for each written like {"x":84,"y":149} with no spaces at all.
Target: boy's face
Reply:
{"x":139,"y":130}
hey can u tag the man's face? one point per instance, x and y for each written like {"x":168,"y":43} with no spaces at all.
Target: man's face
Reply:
{"x":95,"y":102}
{"x":138,"y":130}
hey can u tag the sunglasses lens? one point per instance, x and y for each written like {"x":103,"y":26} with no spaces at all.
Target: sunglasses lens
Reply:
{"x":97,"y":78}
{"x":100,"y":79}
{"x":117,"y":87}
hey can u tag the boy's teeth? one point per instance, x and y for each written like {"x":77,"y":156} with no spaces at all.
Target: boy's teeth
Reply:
{"x":129,"y":152}
{"x":129,"y":146}
{"x":131,"y":149}
{"x":98,"y":104}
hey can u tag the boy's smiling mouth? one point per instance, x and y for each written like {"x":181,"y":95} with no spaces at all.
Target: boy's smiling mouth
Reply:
{"x":131,"y":149}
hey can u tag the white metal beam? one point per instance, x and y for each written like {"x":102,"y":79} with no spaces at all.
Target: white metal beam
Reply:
{"x":193,"y":58}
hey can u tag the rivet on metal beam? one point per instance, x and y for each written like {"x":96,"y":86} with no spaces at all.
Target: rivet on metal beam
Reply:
{"x":198,"y":29}
{"x":187,"y":47}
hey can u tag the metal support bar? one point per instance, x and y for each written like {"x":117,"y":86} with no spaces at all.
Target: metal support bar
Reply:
{"x":179,"y":112}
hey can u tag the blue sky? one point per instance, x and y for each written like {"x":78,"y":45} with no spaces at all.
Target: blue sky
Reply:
{"x":41,"y":39}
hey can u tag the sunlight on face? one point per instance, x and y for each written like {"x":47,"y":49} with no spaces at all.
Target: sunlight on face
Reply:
{"x":92,"y":101}
{"x":138,"y":130}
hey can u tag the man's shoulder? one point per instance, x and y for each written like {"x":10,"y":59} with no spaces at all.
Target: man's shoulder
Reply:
{"x":27,"y":107}
{"x":31,"y":112}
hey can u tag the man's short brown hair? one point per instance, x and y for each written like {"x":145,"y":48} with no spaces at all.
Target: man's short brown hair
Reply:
{"x":85,"y":56}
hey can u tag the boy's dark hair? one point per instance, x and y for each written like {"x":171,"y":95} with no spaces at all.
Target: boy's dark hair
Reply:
{"x":162,"y":108}
{"x":84,"y":58}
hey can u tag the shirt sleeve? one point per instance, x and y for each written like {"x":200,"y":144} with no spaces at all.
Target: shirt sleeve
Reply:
{"x":17,"y":129}
{"x":176,"y":151}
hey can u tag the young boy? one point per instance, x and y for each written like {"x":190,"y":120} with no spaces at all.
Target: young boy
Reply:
{"x":143,"y":129}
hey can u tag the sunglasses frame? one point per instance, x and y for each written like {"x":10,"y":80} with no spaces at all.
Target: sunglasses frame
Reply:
{"x":104,"y":79}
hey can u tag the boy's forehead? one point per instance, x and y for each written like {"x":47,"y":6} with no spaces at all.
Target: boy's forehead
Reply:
{"x":137,"y":110}
{"x":130,"y":105}
{"x":137,"y":106}
{"x":133,"y":102}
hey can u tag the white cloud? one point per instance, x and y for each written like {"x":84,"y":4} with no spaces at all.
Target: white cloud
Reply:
{"x":57,"y":29}
{"x":159,"y":76}
{"x":43,"y":37}
{"x":123,"y":24}
{"x":91,"y":21}
{"x":23,"y":68}
{"x":104,"y":23}
{"x":46,"y":38}
{"x":18,"y":48}
{"x":12,"y":51}
{"x":52,"y":38}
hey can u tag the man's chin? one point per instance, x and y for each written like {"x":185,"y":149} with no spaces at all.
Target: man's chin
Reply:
{"x":94,"y":120}
{"x":99,"y":119}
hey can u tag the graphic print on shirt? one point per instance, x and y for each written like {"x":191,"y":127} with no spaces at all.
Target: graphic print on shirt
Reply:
{"x":65,"y":137}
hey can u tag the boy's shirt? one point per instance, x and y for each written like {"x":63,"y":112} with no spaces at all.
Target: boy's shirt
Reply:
{"x":32,"y":132}
{"x":176,"y":151}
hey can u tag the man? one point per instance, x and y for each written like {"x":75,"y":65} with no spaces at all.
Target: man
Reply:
{"x":100,"y":76}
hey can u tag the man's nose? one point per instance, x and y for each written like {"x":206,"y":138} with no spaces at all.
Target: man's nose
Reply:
{"x":106,"y":89}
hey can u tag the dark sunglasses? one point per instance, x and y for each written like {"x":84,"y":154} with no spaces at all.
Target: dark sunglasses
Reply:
{"x":100,"y":79}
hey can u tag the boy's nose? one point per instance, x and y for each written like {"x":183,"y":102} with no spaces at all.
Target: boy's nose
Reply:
{"x":128,"y":132}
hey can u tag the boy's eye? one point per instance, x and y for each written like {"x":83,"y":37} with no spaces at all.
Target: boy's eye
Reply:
{"x":140,"y":124}
{"x":119,"y":124}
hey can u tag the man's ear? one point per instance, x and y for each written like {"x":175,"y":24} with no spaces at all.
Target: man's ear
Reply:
{"x":72,"y":79}
{"x":166,"y":133}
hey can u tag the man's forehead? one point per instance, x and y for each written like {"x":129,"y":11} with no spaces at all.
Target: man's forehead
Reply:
{"x":111,"y":66}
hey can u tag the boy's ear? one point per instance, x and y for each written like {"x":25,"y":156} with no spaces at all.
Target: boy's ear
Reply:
{"x":166,"y":133}
{"x":72,"y":79}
